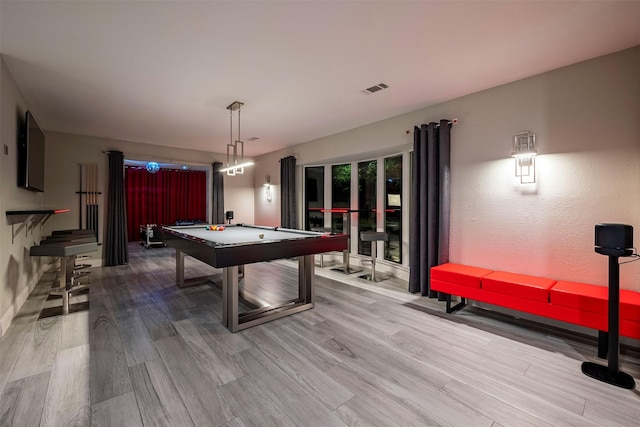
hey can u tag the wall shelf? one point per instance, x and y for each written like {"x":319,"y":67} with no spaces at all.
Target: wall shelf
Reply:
{"x":29,"y":219}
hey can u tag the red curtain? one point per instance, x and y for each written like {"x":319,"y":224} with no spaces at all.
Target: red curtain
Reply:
{"x":163,"y":197}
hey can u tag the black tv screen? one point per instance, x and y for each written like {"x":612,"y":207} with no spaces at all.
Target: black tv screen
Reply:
{"x":31,"y":156}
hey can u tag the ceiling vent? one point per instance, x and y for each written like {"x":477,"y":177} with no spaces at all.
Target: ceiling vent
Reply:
{"x":374,"y":89}
{"x":253,"y":138}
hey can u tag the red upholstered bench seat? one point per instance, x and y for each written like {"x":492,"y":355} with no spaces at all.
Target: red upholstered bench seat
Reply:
{"x":595,"y":298}
{"x":581,"y":296}
{"x":516,"y":291}
{"x":518,"y":285}
{"x":459,"y":274}
{"x":630,"y":305}
{"x":578,"y":303}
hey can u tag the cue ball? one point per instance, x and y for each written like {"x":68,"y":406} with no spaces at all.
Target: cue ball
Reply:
{"x":261,"y":235}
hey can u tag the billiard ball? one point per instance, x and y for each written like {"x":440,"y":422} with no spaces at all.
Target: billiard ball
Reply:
{"x":261,"y":235}
{"x":221,"y":228}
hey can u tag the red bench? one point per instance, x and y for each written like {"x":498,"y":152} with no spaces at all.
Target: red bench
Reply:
{"x":578,"y":303}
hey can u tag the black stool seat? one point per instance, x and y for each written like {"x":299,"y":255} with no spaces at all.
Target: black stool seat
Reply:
{"x":68,"y":278}
{"x":74,"y":232}
{"x":322,"y":230}
{"x":61,"y":238}
{"x":373,"y":237}
{"x":63,"y":249}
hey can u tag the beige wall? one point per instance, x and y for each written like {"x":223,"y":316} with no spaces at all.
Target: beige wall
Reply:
{"x":268,"y":213}
{"x":18,"y":271}
{"x":65,"y":152}
{"x":586,"y":118}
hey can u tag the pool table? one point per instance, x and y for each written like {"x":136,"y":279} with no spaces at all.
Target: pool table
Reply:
{"x":241,"y":244}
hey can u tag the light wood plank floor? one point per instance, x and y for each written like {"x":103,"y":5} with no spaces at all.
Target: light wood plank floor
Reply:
{"x":148,"y":353}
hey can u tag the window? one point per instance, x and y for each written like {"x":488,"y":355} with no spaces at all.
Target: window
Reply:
{"x":373,"y":189}
{"x":314,"y":197}
{"x":367,"y":174}
{"x":393,"y":208}
{"x":340,"y":195}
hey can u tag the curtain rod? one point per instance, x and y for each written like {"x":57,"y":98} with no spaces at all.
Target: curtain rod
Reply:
{"x":451,"y":122}
{"x":288,"y":156}
{"x":130,"y":156}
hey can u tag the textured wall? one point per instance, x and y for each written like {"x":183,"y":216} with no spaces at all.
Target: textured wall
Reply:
{"x":18,"y":271}
{"x":586,"y":118}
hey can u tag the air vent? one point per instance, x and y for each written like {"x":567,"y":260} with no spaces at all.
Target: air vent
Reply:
{"x":253,"y":138}
{"x":374,"y":89}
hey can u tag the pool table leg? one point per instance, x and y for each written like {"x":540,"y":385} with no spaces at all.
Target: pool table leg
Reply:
{"x":179,"y":268}
{"x":234,"y":321}
{"x":181,"y":282}
{"x":230,"y":298}
{"x":306,"y":275}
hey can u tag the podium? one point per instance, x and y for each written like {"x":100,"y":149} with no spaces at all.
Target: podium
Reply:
{"x":614,"y":241}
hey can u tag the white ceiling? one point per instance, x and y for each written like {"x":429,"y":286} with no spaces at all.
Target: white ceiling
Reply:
{"x":163,"y":72}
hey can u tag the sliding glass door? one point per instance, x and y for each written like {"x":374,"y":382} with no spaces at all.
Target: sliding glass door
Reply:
{"x":393,"y":208}
{"x":367,"y":178}
{"x":314,"y":197}
{"x":379,"y":199}
{"x":340,"y":195}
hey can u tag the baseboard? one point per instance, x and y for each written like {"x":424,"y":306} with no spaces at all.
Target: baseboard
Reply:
{"x":14,"y":308}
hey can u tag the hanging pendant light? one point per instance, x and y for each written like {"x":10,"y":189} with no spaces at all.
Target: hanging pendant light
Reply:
{"x":235,"y":148}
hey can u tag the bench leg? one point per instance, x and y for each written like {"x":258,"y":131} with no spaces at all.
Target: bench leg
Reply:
{"x":603,"y":344}
{"x":460,"y":305}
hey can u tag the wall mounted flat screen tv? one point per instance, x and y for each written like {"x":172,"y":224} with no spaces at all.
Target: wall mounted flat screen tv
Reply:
{"x":31,"y":156}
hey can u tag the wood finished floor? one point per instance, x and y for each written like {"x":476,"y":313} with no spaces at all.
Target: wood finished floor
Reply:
{"x":148,"y":353}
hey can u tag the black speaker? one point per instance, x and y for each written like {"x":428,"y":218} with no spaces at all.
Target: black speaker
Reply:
{"x":614,"y":239}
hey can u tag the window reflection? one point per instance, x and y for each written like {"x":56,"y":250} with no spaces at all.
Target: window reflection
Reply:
{"x":393,"y":208}
{"x":367,"y":174}
{"x":367,"y":205}
{"x":314,"y":197}
{"x":340,"y":194}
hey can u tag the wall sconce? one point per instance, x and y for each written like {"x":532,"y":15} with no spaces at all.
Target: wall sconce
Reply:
{"x":524,"y":152}
{"x":267,"y":187}
{"x":235,"y":163}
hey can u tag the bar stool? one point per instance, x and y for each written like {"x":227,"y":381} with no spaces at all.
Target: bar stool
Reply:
{"x":346,"y":229}
{"x":79,"y":270}
{"x":73,"y":232}
{"x":68,"y":281}
{"x":322,"y":230}
{"x":374,"y":237}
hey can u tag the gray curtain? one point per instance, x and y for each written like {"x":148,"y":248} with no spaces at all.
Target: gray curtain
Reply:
{"x":217,"y":216}
{"x":288,"y":212}
{"x":429,"y":220}
{"x":115,"y":241}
